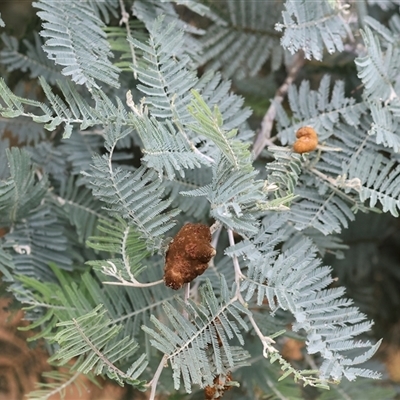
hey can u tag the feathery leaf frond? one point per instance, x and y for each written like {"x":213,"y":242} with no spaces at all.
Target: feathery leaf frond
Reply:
{"x":284,"y":171}
{"x":20,"y":193}
{"x":217,"y":92}
{"x":198,"y":207}
{"x":104,"y":9}
{"x":38,"y":240}
{"x":34,"y":59}
{"x":136,"y":197}
{"x":328,"y":212}
{"x":6,"y":265}
{"x":209,"y":124}
{"x":379,"y":181}
{"x":76,"y":41}
{"x":203,"y":338}
{"x":295,"y":281}
{"x":78,"y":205}
{"x":55,"y":383}
{"x":242,"y":38}
{"x":236,"y":198}
{"x":311,"y":26}
{"x":378,"y":71}
{"x":375,"y":69}
{"x":149,"y":11}
{"x":165,"y":81}
{"x":322,"y":109}
{"x":121,"y":240}
{"x":165,"y":150}
{"x":91,"y":338}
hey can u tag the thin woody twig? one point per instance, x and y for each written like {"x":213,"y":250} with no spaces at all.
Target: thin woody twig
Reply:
{"x":264,"y":135}
{"x":125,"y":20}
{"x":153,"y":383}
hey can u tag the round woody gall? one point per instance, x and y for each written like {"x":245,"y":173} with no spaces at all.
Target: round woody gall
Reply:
{"x":188,"y":255}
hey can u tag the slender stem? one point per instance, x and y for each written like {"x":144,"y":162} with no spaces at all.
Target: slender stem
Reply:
{"x":125,"y":20}
{"x":187,"y":292}
{"x":156,"y":377}
{"x":264,"y":135}
{"x":99,"y":354}
{"x":215,"y":227}
{"x":112,"y":270}
{"x":362,"y":12}
{"x":238,"y":271}
{"x":265,"y":340}
{"x":275,"y":390}
{"x":135,"y":284}
{"x":186,"y":296}
{"x":61,"y":388}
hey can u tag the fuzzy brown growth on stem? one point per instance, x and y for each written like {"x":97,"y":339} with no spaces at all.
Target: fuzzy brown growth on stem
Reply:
{"x":307,"y":140}
{"x":188,"y":255}
{"x":220,"y":386}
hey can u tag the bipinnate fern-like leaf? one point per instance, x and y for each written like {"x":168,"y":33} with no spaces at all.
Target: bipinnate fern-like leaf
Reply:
{"x":241,"y":38}
{"x":123,"y":242}
{"x":198,"y":347}
{"x":91,"y":338}
{"x":126,"y":54}
{"x":78,"y":151}
{"x":327,"y":195}
{"x":236,"y":197}
{"x":72,"y":110}
{"x":327,"y":212}
{"x":76,"y":41}
{"x":21,"y":192}
{"x":69,"y":111}
{"x":36,"y":237}
{"x":165,"y":81}
{"x":377,"y":69}
{"x":284,"y":172}
{"x":197,"y":207}
{"x":148,"y":11}
{"x":379,"y":180}
{"x":4,"y":167}
{"x":135,"y":196}
{"x":165,"y":150}
{"x":323,"y":110}
{"x":105,"y":9}
{"x":311,"y":27}
{"x":12,"y":106}
{"x":34,"y":60}
{"x":217,"y":92}
{"x":49,"y":303}
{"x":295,"y":281}
{"x":77,"y":204}
{"x":195,"y":145}
{"x":56,"y":382}
{"x":384,"y":128}
{"x":6,"y":265}
{"x":49,"y":159}
{"x":36,"y":241}
{"x":209,"y":123}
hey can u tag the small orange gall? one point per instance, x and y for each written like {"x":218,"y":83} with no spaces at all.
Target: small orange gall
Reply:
{"x":307,"y":140}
